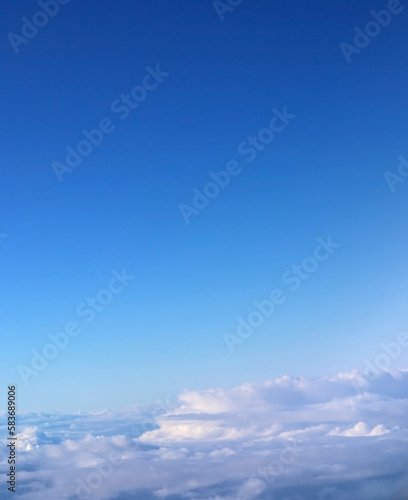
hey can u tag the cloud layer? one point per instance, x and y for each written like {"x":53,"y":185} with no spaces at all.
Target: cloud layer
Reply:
{"x":340,"y":438}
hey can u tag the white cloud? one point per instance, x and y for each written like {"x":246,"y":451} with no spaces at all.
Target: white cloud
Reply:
{"x":360,"y":429}
{"x":291,"y":438}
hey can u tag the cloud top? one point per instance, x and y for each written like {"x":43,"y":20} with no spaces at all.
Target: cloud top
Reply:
{"x":292,"y":438}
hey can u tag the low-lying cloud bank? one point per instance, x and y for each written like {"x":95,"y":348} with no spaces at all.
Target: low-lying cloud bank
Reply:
{"x":339,"y":438}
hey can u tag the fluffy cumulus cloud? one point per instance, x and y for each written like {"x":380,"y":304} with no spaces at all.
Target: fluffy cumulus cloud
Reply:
{"x":339,"y":438}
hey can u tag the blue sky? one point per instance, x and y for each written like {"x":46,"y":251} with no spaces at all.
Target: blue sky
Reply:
{"x":322,"y":175}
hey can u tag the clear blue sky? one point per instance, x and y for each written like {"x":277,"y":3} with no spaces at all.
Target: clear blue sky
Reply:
{"x":323,"y":175}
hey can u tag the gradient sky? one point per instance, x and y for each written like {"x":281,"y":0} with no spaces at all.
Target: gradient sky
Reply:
{"x":323,"y":175}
